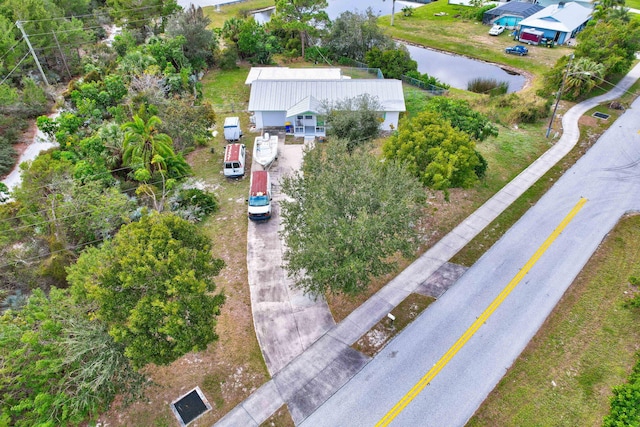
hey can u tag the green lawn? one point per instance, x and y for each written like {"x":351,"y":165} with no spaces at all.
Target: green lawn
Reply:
{"x":635,"y":4}
{"x":238,"y":10}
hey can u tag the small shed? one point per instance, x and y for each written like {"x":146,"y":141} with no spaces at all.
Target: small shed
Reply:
{"x":510,"y":14}
{"x":559,"y":22}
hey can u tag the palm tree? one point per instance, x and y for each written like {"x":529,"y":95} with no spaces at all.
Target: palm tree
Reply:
{"x":144,"y":147}
{"x":584,"y":75}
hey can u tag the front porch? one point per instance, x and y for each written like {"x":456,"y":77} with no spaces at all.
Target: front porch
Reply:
{"x":306,"y":125}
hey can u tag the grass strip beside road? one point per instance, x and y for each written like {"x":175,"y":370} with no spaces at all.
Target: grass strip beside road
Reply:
{"x":587,"y":345}
{"x":440,"y":364}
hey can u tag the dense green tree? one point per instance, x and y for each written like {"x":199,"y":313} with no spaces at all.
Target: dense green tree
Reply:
{"x":432,"y":150}
{"x":153,"y":285}
{"x":187,"y":122}
{"x":392,"y":62}
{"x":201,"y":43}
{"x":347,"y":218}
{"x":610,"y":43}
{"x":463,"y":117}
{"x":255,"y":44}
{"x":92,"y":213}
{"x":58,"y":368}
{"x":42,"y":20}
{"x":142,"y":16}
{"x":352,"y":35}
{"x":45,"y":181}
{"x":305,"y":17}
{"x":356,"y":120}
{"x":232,"y":28}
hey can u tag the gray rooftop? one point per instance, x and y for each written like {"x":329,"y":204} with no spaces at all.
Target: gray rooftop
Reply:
{"x":516,"y":8}
{"x":559,"y":18}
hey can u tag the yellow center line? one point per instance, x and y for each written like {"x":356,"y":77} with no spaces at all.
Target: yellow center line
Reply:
{"x":440,"y":364}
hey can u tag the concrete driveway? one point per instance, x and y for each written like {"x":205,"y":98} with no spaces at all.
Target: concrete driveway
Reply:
{"x":286,"y":321}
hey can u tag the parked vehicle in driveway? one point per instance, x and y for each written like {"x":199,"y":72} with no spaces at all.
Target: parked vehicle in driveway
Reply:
{"x":234,"y":159}
{"x":517,"y":50}
{"x":496,"y":30}
{"x":260,"y":196}
{"x":530,"y":36}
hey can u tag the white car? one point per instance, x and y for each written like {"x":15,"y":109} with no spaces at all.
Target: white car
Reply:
{"x":496,"y":30}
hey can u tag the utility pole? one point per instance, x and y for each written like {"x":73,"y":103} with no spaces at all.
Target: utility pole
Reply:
{"x":564,"y":77}
{"x":393,"y":10}
{"x":35,"y":57}
{"x":64,"y":60}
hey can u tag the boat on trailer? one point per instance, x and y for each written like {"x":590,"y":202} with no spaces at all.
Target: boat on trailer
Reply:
{"x":265,"y":149}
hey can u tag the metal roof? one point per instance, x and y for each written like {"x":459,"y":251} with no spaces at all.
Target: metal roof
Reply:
{"x":516,"y":8}
{"x":559,"y":18}
{"x":286,"y":73}
{"x":284,"y":95}
{"x":309,"y":104}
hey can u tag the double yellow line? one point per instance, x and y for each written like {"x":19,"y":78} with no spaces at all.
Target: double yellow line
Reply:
{"x":420,"y":385}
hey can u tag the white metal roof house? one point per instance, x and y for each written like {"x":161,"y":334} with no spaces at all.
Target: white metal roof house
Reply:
{"x":298,"y":105}
{"x":559,"y":22}
{"x":286,"y":73}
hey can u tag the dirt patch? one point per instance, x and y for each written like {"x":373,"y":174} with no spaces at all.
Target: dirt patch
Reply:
{"x":281,"y":418}
{"x":379,"y":335}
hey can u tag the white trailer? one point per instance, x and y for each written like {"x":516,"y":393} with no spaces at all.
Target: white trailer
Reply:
{"x":232,"y":131}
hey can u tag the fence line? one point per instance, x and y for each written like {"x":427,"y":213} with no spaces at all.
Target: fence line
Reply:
{"x":433,"y":89}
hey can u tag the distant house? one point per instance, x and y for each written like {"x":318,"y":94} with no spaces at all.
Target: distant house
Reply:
{"x":559,"y":22}
{"x":299,"y":105}
{"x":510,"y":14}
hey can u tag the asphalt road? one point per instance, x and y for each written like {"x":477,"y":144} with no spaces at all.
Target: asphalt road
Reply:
{"x":608,"y":176}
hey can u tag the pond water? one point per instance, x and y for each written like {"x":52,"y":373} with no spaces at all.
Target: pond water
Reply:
{"x":336,"y":7}
{"x":458,"y":71}
{"x":454,"y":70}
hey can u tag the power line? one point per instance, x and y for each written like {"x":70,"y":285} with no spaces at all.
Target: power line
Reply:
{"x":94,"y":176}
{"x":14,"y":68}
{"x":96,"y":26}
{"x":25,"y":260}
{"x":106,"y":13}
{"x":65,"y":249}
{"x":11,"y":48}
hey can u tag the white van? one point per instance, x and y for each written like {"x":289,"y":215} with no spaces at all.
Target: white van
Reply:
{"x":232,"y":131}
{"x":260,"y":196}
{"x":234,"y":160}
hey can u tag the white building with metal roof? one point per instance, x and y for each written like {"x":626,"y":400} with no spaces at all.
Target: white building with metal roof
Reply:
{"x":286,"y":73}
{"x":299,"y":105}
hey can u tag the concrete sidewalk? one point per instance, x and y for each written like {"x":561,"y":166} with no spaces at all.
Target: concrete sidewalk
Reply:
{"x":323,"y":368}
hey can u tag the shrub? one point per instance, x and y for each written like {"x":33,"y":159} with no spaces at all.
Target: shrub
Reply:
{"x":488,"y":86}
{"x":194,"y":204}
{"x":8,"y":157}
{"x":530,"y":112}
